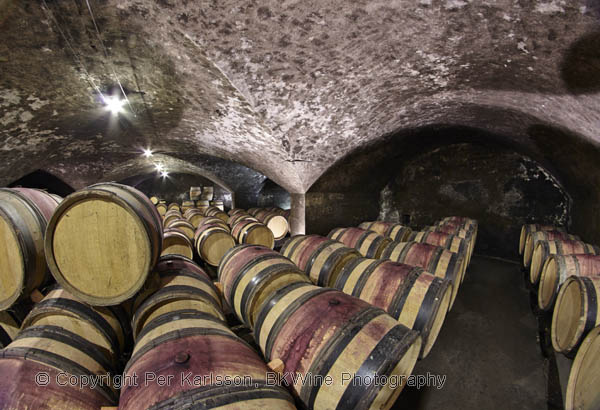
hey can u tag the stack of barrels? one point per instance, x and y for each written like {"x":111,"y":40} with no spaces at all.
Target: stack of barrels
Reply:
{"x":312,"y":330}
{"x":195,"y":361}
{"x":414,"y":297}
{"x":564,"y":276}
{"x":246,"y":229}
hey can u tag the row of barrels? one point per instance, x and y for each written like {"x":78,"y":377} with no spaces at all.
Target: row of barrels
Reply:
{"x":314,"y":330}
{"x":564,"y":274}
{"x":202,"y":205}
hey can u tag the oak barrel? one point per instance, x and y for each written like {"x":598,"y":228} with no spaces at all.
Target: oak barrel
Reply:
{"x":174,"y":206}
{"x":528,"y":228}
{"x":544,"y":249}
{"x":183,"y":225}
{"x":207,"y":364}
{"x":182,"y":285}
{"x":212,"y":243}
{"x":321,"y":258}
{"x":558,"y":268}
{"x":249,"y":274}
{"x":176,"y":242}
{"x":208,"y":193}
{"x":213,"y":220}
{"x":437,"y":260}
{"x":185,"y":205}
{"x":392,"y":230}
{"x":155,"y":200}
{"x":171,"y":215}
{"x":448,"y":241}
{"x":321,"y":331}
{"x":416,"y":298}
{"x":368,"y":243}
{"x":24,"y":216}
{"x":161,"y":207}
{"x":276,"y":223}
{"x":195,"y":192}
{"x":584,"y":378}
{"x":194,"y":216}
{"x":102,"y":242}
{"x":534,"y":237}
{"x":10,"y":323}
{"x":252,"y":232}
{"x":233,"y":219}
{"x":575,"y":313}
{"x":216,"y":212}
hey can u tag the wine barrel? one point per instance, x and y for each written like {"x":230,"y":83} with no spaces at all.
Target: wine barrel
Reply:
{"x":154,"y":200}
{"x":195,"y":192}
{"x":528,"y":228}
{"x":233,"y":219}
{"x":216,"y":212}
{"x":254,"y":233}
{"x":24,"y":215}
{"x":185,"y":205}
{"x":208,"y":193}
{"x":582,"y":388}
{"x":451,"y":242}
{"x":202,"y":205}
{"x":170,"y":216}
{"x":218,"y":204}
{"x":276,"y":223}
{"x":544,"y":249}
{"x":194,"y":216}
{"x":575,"y":313}
{"x":174,"y":206}
{"x":183,"y":225}
{"x":392,"y":230}
{"x":434,"y":259}
{"x":212,"y":220}
{"x":416,"y":298}
{"x":321,"y":331}
{"x":212,"y":243}
{"x":558,"y":268}
{"x":235,"y":211}
{"x":253,"y":211}
{"x":368,"y":243}
{"x":10,"y":323}
{"x":534,"y":237}
{"x":250,"y":274}
{"x":161,"y":207}
{"x":106,"y":327}
{"x":468,"y":234}
{"x":187,"y":343}
{"x":183,"y":285}
{"x":176,"y":242}
{"x":321,"y":258}
{"x":102,"y":242}
{"x":461,"y":220}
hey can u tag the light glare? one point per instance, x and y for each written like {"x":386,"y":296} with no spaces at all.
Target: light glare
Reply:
{"x":114,"y":104}
{"x":148,"y":153}
{"x":164,"y":174}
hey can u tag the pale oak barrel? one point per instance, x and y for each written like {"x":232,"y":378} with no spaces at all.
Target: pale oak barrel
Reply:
{"x":527,"y":228}
{"x":250,"y":274}
{"x":102,"y":242}
{"x":575,"y":313}
{"x":368,"y":243}
{"x":212,"y":242}
{"x":584,"y":378}
{"x":252,"y":232}
{"x":24,"y":216}
{"x":321,"y":258}
{"x":275,"y":222}
{"x":558,"y":268}
{"x":177,"y":242}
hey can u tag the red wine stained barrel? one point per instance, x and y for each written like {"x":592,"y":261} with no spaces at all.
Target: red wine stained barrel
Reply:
{"x":102,"y":242}
{"x":370,"y":244}
{"x":254,"y":233}
{"x":558,"y":268}
{"x":250,"y":274}
{"x":321,"y":258}
{"x":575,"y":313}
{"x":582,"y":388}
{"x":434,"y":259}
{"x":544,"y":249}
{"x":392,"y":230}
{"x":321,"y":331}
{"x":24,"y":215}
{"x":451,"y":242}
{"x":528,"y":228}
{"x":534,"y":237}
{"x":416,"y":298}
{"x":212,"y":242}
{"x":468,"y":234}
{"x":207,"y":364}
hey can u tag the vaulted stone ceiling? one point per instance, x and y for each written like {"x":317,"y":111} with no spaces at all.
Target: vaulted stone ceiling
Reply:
{"x":286,"y":88}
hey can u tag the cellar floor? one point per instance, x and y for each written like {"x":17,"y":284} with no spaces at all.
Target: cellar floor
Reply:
{"x":487,"y":347}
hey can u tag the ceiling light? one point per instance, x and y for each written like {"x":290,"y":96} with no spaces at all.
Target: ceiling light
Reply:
{"x":159,"y":167}
{"x":164,"y":174}
{"x":147,"y":153}
{"x":114,"y":104}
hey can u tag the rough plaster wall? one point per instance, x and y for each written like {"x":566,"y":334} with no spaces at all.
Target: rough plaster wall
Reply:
{"x":285,"y":87}
{"x":501,"y":189}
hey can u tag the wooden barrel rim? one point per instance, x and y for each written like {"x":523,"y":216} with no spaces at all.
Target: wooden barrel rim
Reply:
{"x":344,"y":275}
{"x":332,"y":259}
{"x":178,"y":333}
{"x":252,"y":263}
{"x":80,"y":310}
{"x":222,"y":396}
{"x":67,"y":203}
{"x":576,"y":375}
{"x":27,"y":251}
